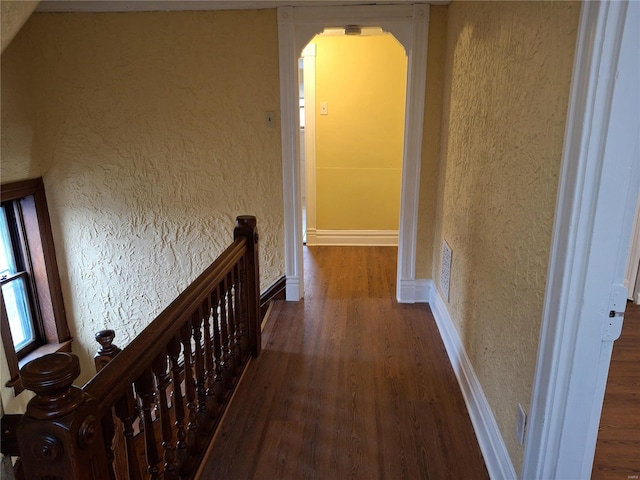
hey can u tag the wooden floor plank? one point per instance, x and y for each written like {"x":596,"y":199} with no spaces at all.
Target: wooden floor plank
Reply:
{"x":618,"y":446}
{"x":350,"y":385}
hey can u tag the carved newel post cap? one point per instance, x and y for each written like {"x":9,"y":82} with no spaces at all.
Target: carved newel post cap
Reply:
{"x":50,"y":377}
{"x":245,"y":225}
{"x":105,"y":339}
{"x":50,"y":372}
{"x":246,"y":221}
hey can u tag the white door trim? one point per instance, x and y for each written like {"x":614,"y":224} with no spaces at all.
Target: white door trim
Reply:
{"x":296,"y":26}
{"x":597,"y":196}
{"x":631,"y":278}
{"x":309,"y":73}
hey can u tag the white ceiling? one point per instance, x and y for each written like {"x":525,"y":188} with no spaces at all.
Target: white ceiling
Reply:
{"x":172,"y":5}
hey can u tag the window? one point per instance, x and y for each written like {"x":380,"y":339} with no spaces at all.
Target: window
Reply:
{"x":33,"y":318}
{"x":15,"y":278}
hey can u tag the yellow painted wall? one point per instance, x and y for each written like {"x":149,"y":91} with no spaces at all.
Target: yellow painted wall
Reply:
{"x":359,"y":143}
{"x":431,"y":133}
{"x":14,"y":14}
{"x":508,"y":72}
{"x":17,"y":157}
{"x":149,"y":131}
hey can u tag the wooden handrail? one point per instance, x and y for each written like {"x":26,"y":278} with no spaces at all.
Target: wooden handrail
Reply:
{"x":164,"y":393}
{"x":129,"y":364}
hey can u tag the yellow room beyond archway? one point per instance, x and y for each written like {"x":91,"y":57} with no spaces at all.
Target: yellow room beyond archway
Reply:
{"x":359,"y":120}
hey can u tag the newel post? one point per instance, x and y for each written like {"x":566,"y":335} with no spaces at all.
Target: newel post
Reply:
{"x":246,"y":227}
{"x":107,"y":350}
{"x":103,"y":356}
{"x":60,"y":435}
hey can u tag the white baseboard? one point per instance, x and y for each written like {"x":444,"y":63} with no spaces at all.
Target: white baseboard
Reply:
{"x":490,"y":439}
{"x":311,"y":236}
{"x":292,"y":289}
{"x":414,"y":291}
{"x":423,"y":290}
{"x":373,"y":238}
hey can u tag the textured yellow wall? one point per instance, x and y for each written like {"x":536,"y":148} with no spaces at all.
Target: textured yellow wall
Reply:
{"x":17,"y":156}
{"x":359,"y":143}
{"x":150,"y":132}
{"x":508,"y":71}
{"x":427,"y":200}
{"x":14,"y":14}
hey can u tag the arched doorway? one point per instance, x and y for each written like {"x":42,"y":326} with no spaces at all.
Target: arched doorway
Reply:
{"x":352,"y":107}
{"x":296,"y":27}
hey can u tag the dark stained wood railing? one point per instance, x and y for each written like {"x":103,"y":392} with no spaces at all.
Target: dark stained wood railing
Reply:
{"x":164,"y":394}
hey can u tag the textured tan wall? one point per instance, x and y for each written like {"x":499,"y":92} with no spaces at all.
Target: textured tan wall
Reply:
{"x":151,"y":136}
{"x":14,"y":14}
{"x":508,"y":71}
{"x":18,"y":160}
{"x":429,"y":168}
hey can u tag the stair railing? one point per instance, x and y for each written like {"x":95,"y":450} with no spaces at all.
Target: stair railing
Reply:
{"x":152,"y":408}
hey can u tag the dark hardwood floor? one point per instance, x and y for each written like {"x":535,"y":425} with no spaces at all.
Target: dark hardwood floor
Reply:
{"x":618,"y":447}
{"x":350,"y":384}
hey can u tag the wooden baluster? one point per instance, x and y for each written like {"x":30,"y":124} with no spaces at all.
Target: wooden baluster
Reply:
{"x":146,"y":398}
{"x":233,"y":327}
{"x":233,"y":361}
{"x":189,"y":386}
{"x":227,"y":371}
{"x":109,"y":432}
{"x":127,"y":412}
{"x":238,"y":309}
{"x":60,"y":435}
{"x":218,"y":384}
{"x":105,"y":354}
{"x":241,"y":299}
{"x":201,"y":392}
{"x":212,"y":405}
{"x":173,"y":350}
{"x":246,"y":227}
{"x":159,"y":367}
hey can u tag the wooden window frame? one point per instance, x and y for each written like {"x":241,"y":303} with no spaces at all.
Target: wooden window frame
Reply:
{"x":46,"y":277}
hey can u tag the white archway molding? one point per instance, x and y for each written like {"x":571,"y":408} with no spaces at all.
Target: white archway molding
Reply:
{"x":296,"y":27}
